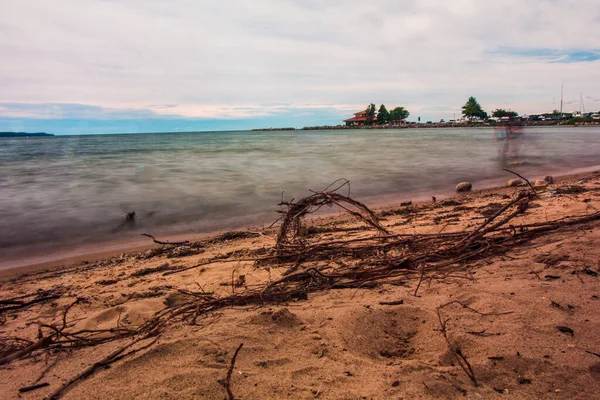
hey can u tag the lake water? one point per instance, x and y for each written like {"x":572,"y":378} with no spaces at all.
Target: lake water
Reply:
{"x":61,"y":192}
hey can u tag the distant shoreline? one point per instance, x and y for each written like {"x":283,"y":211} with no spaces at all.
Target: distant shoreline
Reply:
{"x":414,"y":125}
{"x":23,"y":134}
{"x":272,"y":129}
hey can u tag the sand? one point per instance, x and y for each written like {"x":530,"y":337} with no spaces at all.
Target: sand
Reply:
{"x":338,"y":344}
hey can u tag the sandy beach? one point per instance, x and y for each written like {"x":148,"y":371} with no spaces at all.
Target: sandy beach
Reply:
{"x":447,"y":301}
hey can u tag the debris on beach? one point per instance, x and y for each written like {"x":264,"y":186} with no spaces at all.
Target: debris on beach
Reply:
{"x":302,"y":260}
{"x":515,"y":182}
{"x":464,"y":187}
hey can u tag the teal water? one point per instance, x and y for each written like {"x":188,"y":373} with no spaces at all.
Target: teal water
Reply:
{"x":70,"y":190}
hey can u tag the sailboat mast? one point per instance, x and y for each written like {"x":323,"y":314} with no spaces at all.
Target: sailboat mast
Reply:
{"x":561,"y":98}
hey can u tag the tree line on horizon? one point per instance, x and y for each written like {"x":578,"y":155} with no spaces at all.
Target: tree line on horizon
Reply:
{"x":384,"y":116}
{"x":472,"y":109}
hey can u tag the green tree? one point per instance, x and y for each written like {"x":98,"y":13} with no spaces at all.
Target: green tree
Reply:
{"x":500,"y":112}
{"x":383,"y":115}
{"x":472,"y":109}
{"x":370,"y":114}
{"x":398,"y":114}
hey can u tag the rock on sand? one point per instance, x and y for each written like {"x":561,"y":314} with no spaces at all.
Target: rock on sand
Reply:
{"x":464,"y":187}
{"x":540,"y":184}
{"x":514,"y":182}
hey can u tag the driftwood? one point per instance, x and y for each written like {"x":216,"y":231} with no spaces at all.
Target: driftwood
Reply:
{"x":111,"y":358}
{"x":33,"y":387}
{"x":162,"y":242}
{"x":21,"y":302}
{"x":382,"y":257}
{"x":291,"y":227}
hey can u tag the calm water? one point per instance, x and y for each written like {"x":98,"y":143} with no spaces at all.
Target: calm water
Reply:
{"x":75,"y":189}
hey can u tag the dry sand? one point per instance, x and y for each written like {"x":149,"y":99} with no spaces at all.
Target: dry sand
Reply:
{"x":338,"y":344}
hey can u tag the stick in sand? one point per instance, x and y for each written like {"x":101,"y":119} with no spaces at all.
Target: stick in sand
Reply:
{"x":227,"y":381}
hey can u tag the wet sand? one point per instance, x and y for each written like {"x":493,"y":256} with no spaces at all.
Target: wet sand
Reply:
{"x":56,"y":257}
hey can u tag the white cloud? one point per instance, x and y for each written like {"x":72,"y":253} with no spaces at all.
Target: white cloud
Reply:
{"x":234,"y":58}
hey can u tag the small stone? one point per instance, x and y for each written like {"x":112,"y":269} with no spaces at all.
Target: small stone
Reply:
{"x":540,"y":184}
{"x":514,"y":182}
{"x":549,"y":179}
{"x":464,"y":187}
{"x":396,"y":383}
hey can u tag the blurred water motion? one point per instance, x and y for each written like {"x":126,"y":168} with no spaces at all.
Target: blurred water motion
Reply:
{"x":77,"y":189}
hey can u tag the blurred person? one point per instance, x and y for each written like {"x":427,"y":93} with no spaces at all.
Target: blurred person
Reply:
{"x":510,"y":136}
{"x":501,"y":133}
{"x":515,"y":138}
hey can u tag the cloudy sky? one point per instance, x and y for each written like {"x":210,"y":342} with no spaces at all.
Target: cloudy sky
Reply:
{"x":93,"y":66}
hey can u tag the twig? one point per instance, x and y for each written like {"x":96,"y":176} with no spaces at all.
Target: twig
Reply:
{"x":591,"y":352}
{"x":112,"y":357}
{"x":46,"y":370}
{"x":461,"y":358}
{"x":483,"y":333}
{"x":420,"y":280}
{"x":165,"y":242}
{"x":526,"y":180}
{"x":391,"y":303}
{"x":226,"y":383}
{"x":456,"y":350}
{"x":40,"y":344}
{"x":474,"y":310}
{"x":33,"y":387}
{"x":15,"y":305}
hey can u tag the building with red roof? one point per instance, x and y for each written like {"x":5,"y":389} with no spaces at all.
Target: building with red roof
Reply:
{"x":359,"y":118}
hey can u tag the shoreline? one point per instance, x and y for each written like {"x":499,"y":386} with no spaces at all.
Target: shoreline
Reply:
{"x":93,"y":252}
{"x":441,"y":125}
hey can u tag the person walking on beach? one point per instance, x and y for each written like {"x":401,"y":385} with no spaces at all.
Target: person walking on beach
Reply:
{"x":515,"y":136}
{"x":509,"y":135}
{"x":501,"y":135}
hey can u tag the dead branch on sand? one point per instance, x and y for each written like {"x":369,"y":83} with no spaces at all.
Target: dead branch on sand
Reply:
{"x":291,"y":227}
{"x":363,"y":262}
{"x":453,"y":345}
{"x":227,"y":381}
{"x":164,"y":242}
{"x":21,"y":302}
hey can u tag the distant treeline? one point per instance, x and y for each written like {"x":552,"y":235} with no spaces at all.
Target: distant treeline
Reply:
{"x":273,"y":129}
{"x":23,"y":134}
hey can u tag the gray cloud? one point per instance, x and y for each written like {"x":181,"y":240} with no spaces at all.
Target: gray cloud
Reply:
{"x":240,"y":58}
{"x":70,"y":111}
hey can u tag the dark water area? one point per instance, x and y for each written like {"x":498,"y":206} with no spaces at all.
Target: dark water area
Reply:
{"x":64,"y":191}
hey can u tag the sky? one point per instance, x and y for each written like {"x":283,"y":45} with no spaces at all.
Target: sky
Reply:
{"x":123,"y":66}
